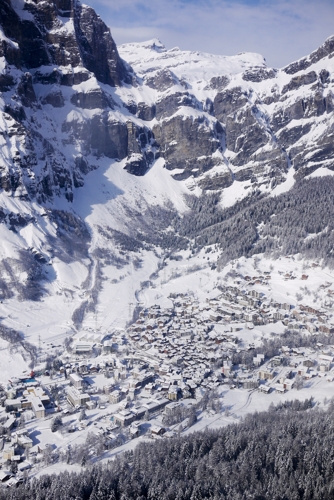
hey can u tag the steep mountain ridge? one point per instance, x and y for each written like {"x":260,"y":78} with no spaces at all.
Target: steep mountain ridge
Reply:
{"x":215,"y":120}
{"x":262,"y":118}
{"x":49,"y":49}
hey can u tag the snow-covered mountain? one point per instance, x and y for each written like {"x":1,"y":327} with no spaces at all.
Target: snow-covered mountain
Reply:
{"x":101,"y":147}
{"x":68,"y":99}
{"x":224,"y":119}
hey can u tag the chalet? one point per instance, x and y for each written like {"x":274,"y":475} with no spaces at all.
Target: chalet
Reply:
{"x":308,"y":309}
{"x":326,"y":329}
{"x":266,"y":374}
{"x":83,"y":367}
{"x":302,"y":370}
{"x":107,"y":389}
{"x":265,"y":388}
{"x":139,"y":329}
{"x":311,"y":327}
{"x":24,"y":440}
{"x":324,"y":357}
{"x":107,"y":346}
{"x":153,"y":315}
{"x":192,"y":385}
{"x":148,"y":390}
{"x":134,"y":431}
{"x":157,"y":430}
{"x":215,"y":317}
{"x":309,"y":363}
{"x":276,"y":361}
{"x":297,"y":315}
{"x":298,"y":350}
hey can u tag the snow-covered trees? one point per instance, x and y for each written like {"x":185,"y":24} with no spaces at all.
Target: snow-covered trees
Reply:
{"x":82,"y":415}
{"x":261,"y":224}
{"x":56,"y":423}
{"x":285,"y":453}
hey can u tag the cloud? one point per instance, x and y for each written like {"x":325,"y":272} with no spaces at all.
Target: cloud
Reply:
{"x":281,"y":30}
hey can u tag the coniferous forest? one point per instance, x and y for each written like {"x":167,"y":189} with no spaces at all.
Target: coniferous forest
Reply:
{"x":299,"y":221}
{"x":286,"y":453}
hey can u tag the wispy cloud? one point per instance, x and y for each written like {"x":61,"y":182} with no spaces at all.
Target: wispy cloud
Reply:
{"x":281,"y":30}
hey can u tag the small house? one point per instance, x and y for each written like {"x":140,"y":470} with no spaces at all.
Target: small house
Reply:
{"x":157,"y":430}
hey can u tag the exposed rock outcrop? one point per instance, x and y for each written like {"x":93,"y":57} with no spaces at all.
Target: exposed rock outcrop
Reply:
{"x":212,"y":118}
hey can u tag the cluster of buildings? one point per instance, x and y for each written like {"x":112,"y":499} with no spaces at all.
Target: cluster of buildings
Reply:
{"x":170,"y":357}
{"x":289,"y":370}
{"x":184,"y":340}
{"x":25,"y":393}
{"x":243,"y":302}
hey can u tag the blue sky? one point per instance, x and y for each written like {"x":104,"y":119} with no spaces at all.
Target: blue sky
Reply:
{"x":281,"y":30}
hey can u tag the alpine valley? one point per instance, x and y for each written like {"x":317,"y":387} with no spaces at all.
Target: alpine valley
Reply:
{"x":149,"y":194}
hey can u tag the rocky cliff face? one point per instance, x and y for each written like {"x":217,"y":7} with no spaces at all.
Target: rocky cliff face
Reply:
{"x":222,"y":120}
{"x":59,"y":109}
{"x":68,"y":99}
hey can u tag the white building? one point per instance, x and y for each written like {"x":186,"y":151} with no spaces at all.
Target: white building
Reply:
{"x":76,"y":380}
{"x":77,"y":398}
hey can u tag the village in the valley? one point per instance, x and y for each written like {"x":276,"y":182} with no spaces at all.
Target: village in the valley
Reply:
{"x":175,"y":369}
